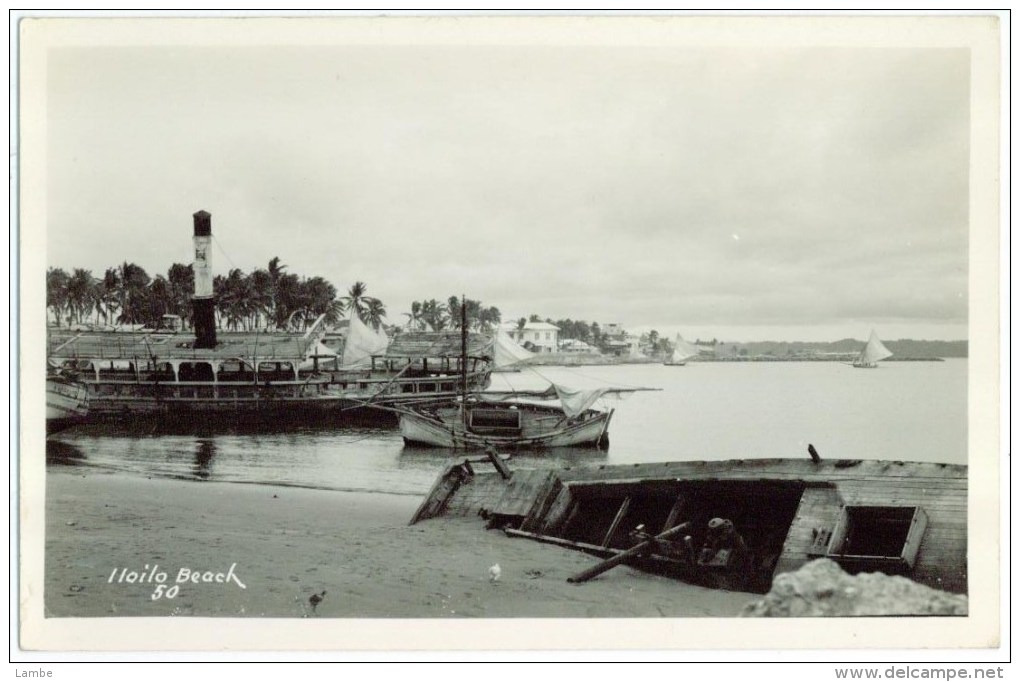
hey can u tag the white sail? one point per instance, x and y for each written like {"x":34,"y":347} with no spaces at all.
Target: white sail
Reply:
{"x":362,"y":343}
{"x":507,"y":351}
{"x":873,"y":352}
{"x":682,"y":350}
{"x":317,"y":355}
{"x":576,"y":401}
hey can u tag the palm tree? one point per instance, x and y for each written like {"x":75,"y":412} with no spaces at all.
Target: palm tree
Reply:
{"x":276,"y":275}
{"x":56,"y":292}
{"x":414,"y":320}
{"x":433,"y":313}
{"x":288,"y":298}
{"x":108,"y":295}
{"x":262,"y":303}
{"x":81,"y":294}
{"x":132,"y":283}
{"x":375,"y":313}
{"x":319,"y":297}
{"x":489,"y":318}
{"x":356,"y":302}
{"x":233,"y":298}
{"x":472,"y":312}
{"x":181,"y":279}
{"x":156,"y":301}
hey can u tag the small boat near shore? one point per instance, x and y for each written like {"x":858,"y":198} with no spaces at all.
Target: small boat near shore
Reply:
{"x":520,"y":421}
{"x":556,"y":417}
{"x":67,"y":403}
{"x":873,"y":352}
{"x":732,"y":524}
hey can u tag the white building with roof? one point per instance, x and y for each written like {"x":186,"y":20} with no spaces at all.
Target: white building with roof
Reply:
{"x":538,"y":337}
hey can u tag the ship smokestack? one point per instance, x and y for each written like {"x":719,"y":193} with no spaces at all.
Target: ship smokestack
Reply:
{"x":202,"y":302}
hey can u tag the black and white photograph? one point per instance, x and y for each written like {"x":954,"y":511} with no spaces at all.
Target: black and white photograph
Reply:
{"x":509,"y":332}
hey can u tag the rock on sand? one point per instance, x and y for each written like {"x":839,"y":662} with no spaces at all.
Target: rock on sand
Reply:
{"x":822,"y":588}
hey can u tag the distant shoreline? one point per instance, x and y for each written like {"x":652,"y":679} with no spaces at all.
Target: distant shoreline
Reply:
{"x":562,"y":360}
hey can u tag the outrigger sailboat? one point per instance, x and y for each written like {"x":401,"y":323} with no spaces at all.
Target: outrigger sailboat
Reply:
{"x":682,"y":352}
{"x":509,"y":421}
{"x":556,"y":417}
{"x":872,"y":353}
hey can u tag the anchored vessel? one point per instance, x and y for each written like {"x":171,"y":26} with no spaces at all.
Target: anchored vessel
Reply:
{"x":557,"y":417}
{"x":67,"y":403}
{"x":730,"y":524}
{"x":509,"y":422}
{"x":275,"y":374}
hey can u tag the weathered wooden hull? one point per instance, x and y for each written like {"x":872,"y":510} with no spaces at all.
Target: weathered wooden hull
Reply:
{"x":67,"y":404}
{"x":308,"y":400}
{"x":449,"y":432}
{"x":789,"y":511}
{"x":261,"y":374}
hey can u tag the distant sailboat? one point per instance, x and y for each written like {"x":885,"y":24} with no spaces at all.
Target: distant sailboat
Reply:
{"x":872,"y":353}
{"x":682,"y":352}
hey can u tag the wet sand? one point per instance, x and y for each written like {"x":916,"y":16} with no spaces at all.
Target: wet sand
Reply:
{"x":286,"y":544}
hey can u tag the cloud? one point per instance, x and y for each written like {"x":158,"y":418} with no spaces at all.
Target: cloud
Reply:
{"x":592,"y":183}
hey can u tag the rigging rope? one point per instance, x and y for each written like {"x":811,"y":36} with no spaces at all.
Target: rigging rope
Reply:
{"x":224,"y":252}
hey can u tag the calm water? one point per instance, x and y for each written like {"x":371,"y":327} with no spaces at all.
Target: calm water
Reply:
{"x":903,"y":410}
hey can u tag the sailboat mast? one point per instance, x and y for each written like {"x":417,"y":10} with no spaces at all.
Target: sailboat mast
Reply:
{"x":463,"y":348}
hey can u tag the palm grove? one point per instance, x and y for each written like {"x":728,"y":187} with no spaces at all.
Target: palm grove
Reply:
{"x":266,"y":297}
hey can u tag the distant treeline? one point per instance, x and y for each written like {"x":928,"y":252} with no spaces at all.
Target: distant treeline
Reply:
{"x":902,"y":348}
{"x":264,"y":297}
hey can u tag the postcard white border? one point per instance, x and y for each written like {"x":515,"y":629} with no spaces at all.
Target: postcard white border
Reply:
{"x":981,"y":629}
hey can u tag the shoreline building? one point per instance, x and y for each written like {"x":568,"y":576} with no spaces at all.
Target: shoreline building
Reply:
{"x":538,"y":337}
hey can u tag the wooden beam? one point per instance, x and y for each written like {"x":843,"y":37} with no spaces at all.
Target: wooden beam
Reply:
{"x":498,"y":462}
{"x":645,"y":547}
{"x":622,"y":512}
{"x":674,"y":513}
{"x":563,"y":542}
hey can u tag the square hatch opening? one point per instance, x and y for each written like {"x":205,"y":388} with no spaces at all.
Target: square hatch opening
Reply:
{"x":873,"y":538}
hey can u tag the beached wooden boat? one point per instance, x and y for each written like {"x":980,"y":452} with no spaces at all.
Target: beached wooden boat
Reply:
{"x":67,"y":403}
{"x":906,"y":518}
{"x":507,"y":424}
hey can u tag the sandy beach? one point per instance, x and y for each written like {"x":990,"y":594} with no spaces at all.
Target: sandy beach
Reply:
{"x":110,"y":536}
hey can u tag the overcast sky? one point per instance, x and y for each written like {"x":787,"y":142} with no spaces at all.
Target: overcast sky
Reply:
{"x":736,"y":193}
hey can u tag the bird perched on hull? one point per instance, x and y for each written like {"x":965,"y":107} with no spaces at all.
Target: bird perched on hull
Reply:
{"x":316,"y":599}
{"x":815,"y":457}
{"x":494,"y":572}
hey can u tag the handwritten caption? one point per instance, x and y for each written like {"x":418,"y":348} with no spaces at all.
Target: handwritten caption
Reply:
{"x":160,"y":579}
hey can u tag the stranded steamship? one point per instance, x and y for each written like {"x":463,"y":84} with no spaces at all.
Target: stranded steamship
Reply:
{"x":274,"y":374}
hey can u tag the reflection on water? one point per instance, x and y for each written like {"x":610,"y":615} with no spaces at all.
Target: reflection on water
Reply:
{"x":903,"y":411}
{"x":204,"y":452}
{"x":59,"y":452}
{"x":361,"y":459}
